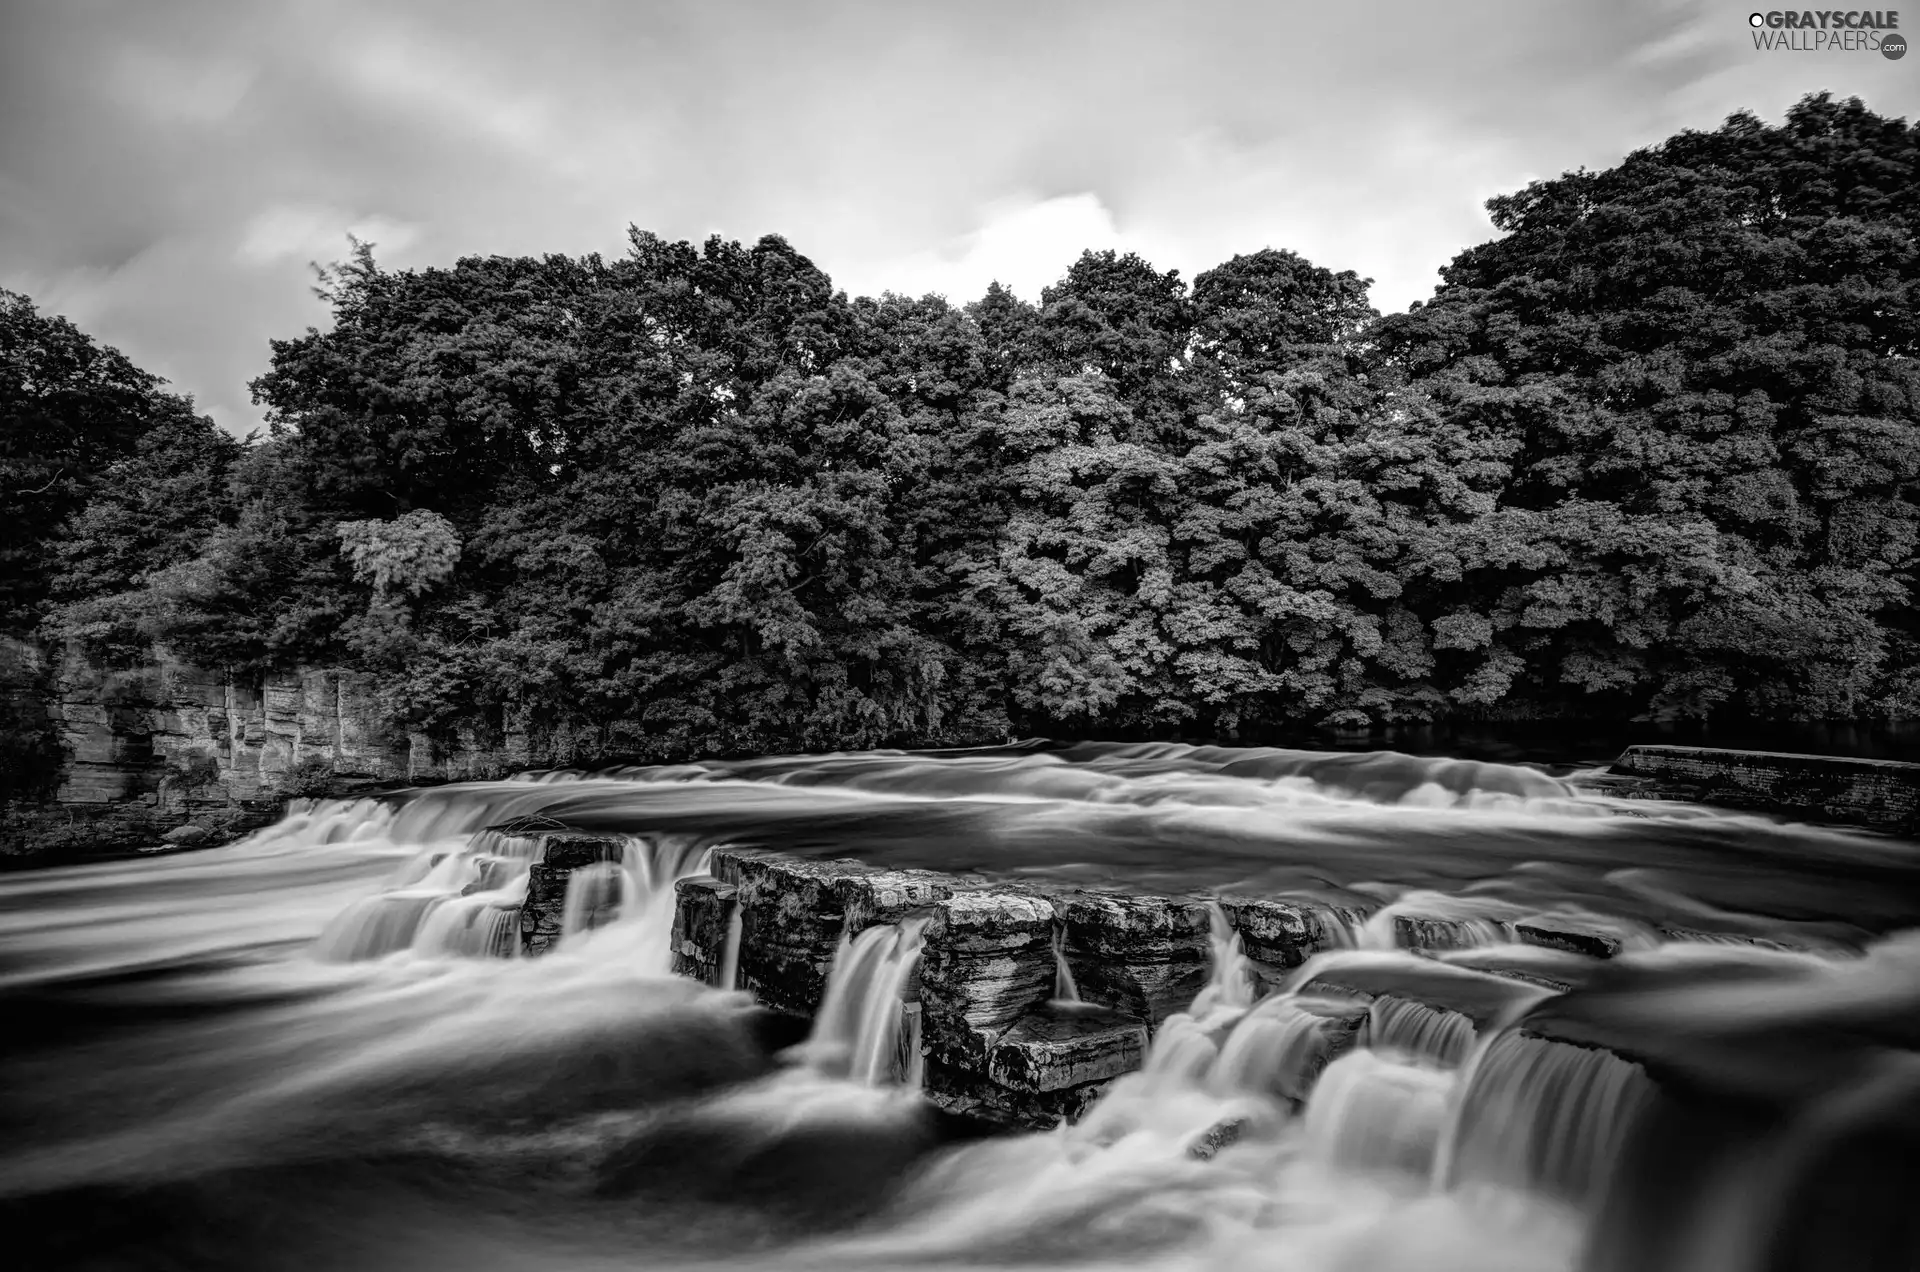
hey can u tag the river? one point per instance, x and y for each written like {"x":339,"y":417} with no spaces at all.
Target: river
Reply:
{"x":296,"y":1051}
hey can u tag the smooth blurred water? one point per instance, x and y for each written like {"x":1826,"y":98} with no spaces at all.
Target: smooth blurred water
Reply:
{"x":301,"y":1050}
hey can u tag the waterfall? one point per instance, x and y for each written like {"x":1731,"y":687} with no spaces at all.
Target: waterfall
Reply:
{"x":464,"y":900}
{"x":1188,"y":1045}
{"x":1382,"y":1108}
{"x":1231,"y":981}
{"x":1064,"y":990}
{"x":864,"y":1015}
{"x":1414,"y":1029}
{"x":1543,"y":1115}
{"x":478,"y":925}
{"x":1372,"y":1113}
{"x":628,"y":906}
{"x":594,"y":896}
{"x":1279,"y":1048}
{"x":1435,"y":921}
{"x":730,"y":953}
{"x":376,"y":926}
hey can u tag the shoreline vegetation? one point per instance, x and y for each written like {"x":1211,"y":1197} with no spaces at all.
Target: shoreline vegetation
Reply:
{"x":1649,"y":454}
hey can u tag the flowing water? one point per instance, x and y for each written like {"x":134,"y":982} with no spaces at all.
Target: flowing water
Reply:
{"x":321,"y":1047}
{"x":863,"y":1028}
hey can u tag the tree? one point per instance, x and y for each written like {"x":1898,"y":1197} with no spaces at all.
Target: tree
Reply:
{"x":1714,"y":343}
{"x":1117,"y":315}
{"x":1652,"y":451}
{"x":69,"y":409}
{"x":147,"y":513}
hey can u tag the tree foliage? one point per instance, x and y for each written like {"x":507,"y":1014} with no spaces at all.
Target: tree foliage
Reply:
{"x":86,"y":434}
{"x":1652,"y":450}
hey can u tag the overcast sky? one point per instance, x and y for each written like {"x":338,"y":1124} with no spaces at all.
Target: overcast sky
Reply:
{"x":169,"y":167}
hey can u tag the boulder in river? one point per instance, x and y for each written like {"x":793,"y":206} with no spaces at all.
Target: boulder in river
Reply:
{"x":1145,"y":957}
{"x":702,"y":913}
{"x":542,"y":917}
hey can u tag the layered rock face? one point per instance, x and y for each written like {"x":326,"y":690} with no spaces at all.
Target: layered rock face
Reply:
{"x":1146,"y":957}
{"x":995,"y":1047}
{"x":151,"y":749}
{"x":542,"y":916}
{"x":703,"y":923}
{"x":1280,"y":935}
{"x":995,"y":1041}
{"x":998,"y":1046}
{"x":794,"y":912}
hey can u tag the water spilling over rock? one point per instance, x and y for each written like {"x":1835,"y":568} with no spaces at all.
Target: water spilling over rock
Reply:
{"x":1154,"y":1006}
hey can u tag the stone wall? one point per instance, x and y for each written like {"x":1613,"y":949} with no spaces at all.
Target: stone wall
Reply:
{"x":146,"y":751}
{"x":1880,"y":793}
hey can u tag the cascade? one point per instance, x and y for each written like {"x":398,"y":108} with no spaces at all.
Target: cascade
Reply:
{"x":864,"y":1015}
{"x":463,"y":899}
{"x":730,"y":952}
{"x":1414,"y":1029}
{"x":341,"y":1058}
{"x":1064,"y":990}
{"x":1542,"y":1115}
{"x":1231,"y":980}
{"x":376,"y":926}
{"x":1433,"y":921}
{"x":1371,"y":1112}
{"x":1278,"y":1048}
{"x":595,"y":894}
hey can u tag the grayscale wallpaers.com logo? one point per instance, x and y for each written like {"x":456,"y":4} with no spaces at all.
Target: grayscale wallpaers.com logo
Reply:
{"x":1830,"y":31}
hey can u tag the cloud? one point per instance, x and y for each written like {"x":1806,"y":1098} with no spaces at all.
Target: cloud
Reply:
{"x":303,"y":232}
{"x":1025,"y":244}
{"x":166,"y":172}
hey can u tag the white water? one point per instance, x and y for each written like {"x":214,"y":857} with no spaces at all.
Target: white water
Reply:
{"x":864,"y":1015}
{"x":286,"y":1016}
{"x":462,"y":899}
{"x":730,"y":951}
{"x":1064,"y":989}
{"x":1544,"y":1116}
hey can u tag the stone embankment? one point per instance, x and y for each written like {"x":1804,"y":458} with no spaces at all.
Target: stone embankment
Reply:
{"x":1884,"y":794}
{"x":170,"y":752}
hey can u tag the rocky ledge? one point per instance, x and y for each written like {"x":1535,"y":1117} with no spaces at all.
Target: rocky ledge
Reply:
{"x":1883,"y":794}
{"x":998,"y":1043}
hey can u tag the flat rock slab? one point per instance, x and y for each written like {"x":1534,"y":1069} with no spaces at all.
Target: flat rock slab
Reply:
{"x":1878,"y":793}
{"x":1054,"y":1049}
{"x":1426,"y":932}
{"x":1284,"y":933}
{"x":1482,"y":997}
{"x":568,"y":850}
{"x":1545,"y":966}
{"x":1569,"y":936}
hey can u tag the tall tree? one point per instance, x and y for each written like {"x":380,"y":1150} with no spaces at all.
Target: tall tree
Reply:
{"x":1708,"y":347}
{"x":69,"y":409}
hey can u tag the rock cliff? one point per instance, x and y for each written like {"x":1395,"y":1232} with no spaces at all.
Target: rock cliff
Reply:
{"x":137,"y":753}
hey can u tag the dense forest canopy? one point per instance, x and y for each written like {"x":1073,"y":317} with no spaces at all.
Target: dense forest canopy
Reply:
{"x":1654,"y":450}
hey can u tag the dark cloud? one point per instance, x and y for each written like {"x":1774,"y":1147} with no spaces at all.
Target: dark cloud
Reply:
{"x":166,"y":171}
